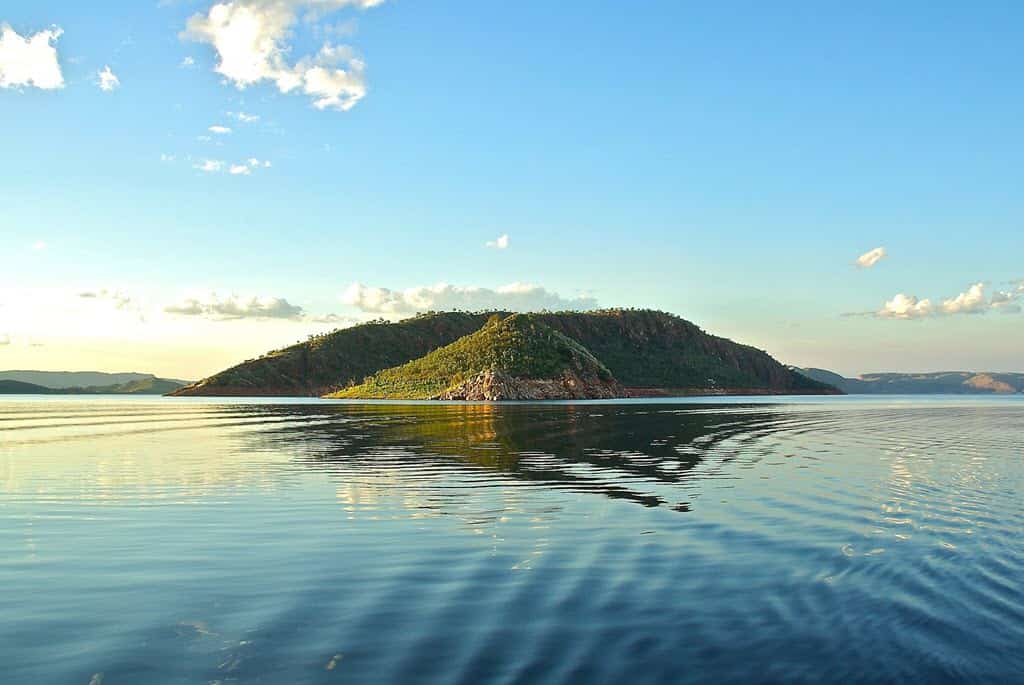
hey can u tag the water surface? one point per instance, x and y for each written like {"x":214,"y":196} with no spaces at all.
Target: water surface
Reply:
{"x":255,"y":541}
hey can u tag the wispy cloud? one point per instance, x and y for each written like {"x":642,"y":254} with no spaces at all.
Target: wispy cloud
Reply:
{"x":120,"y":298}
{"x":871,"y":257}
{"x":245,"y":168}
{"x":31,"y":60}
{"x":251,"y":38}
{"x":107,"y":80}
{"x":187,"y":63}
{"x":210,"y":166}
{"x":231,"y":307}
{"x":512,"y":297}
{"x":39,"y":245}
{"x":499,"y":243}
{"x":244,"y":117}
{"x":220,"y":130}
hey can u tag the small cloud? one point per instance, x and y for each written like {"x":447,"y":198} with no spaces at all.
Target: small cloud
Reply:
{"x":232,"y":307}
{"x":119,"y":298}
{"x":187,"y":63}
{"x":871,"y":257}
{"x":5,"y":340}
{"x":220,"y":130}
{"x":107,"y":80}
{"x":39,"y":245}
{"x":499,"y":243}
{"x":240,"y":170}
{"x":30,"y":61}
{"x":166,"y":158}
{"x":210,"y":166}
{"x":204,"y":139}
{"x":244,"y":117}
{"x":906,"y":307}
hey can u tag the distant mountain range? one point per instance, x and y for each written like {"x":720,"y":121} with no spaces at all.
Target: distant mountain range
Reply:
{"x":545,"y":355}
{"x":945,"y":382}
{"x":85,"y":383}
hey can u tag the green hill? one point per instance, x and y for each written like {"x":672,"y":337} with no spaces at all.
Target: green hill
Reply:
{"x":647,"y":352}
{"x":517,"y":357}
{"x":8,"y":387}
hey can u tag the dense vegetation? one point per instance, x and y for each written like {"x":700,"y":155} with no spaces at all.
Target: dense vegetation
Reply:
{"x":641,"y":348}
{"x":519,"y":345}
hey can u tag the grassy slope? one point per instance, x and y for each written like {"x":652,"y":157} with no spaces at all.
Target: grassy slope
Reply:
{"x":330,"y":362}
{"x":519,"y":345}
{"x":641,"y":348}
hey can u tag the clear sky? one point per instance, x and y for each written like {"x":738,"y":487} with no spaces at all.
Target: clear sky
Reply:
{"x":186,"y":184}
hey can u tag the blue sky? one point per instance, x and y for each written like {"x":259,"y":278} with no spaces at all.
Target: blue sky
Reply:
{"x":728,"y":162}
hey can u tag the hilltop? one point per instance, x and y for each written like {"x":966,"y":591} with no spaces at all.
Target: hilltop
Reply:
{"x":513,"y":358}
{"x":943,"y":382}
{"x":647,"y":352}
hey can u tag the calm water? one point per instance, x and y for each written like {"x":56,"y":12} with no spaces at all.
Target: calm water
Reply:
{"x":191,"y":541}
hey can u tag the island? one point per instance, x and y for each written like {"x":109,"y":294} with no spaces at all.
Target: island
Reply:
{"x":498,"y":355}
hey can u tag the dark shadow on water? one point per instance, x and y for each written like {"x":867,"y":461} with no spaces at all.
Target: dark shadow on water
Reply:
{"x":595,"y":448}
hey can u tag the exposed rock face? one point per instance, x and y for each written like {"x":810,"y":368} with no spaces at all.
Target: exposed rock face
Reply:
{"x":492,"y":386}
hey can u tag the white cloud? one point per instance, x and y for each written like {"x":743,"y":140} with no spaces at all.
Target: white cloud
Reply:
{"x":210,"y":166}
{"x":213,"y":306}
{"x":39,"y":245}
{"x":245,"y":168}
{"x":220,"y":130}
{"x":166,"y":158}
{"x":500,"y":243}
{"x":30,"y":61}
{"x":871,"y":257}
{"x":971,"y":301}
{"x":187,"y":63}
{"x":244,"y":117}
{"x":107,"y":80}
{"x":441,"y":297}
{"x":906,"y":307}
{"x":251,"y":38}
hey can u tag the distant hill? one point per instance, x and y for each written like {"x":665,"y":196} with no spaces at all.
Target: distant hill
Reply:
{"x":946,"y":382}
{"x":647,"y":352}
{"x":86,"y":382}
{"x":515,"y":358}
{"x":19,"y":388}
